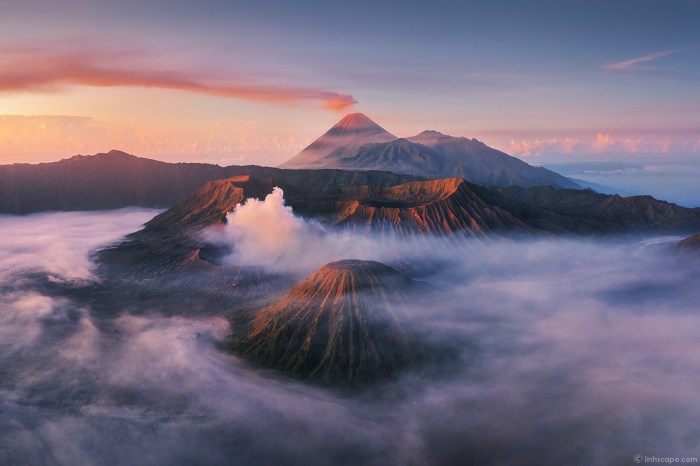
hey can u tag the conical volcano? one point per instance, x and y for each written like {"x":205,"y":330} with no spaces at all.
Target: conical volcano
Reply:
{"x":343,"y":325}
{"x":345,"y":137}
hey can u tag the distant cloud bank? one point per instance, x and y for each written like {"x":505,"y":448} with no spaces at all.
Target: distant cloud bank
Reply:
{"x":46,"y":138}
{"x":600,"y":143}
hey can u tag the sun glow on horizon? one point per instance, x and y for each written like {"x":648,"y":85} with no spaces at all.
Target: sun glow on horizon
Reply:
{"x":171,"y":87}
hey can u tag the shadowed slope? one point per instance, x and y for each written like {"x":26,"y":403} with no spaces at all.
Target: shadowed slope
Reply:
{"x":102,"y":181}
{"x":474,"y":161}
{"x":582,"y":210}
{"x":446,"y":156}
{"x":172,"y":239}
{"x":342,"y":325}
{"x":116,"y":179}
{"x":210,"y":203}
{"x":690,"y":244}
{"x":358,"y":143}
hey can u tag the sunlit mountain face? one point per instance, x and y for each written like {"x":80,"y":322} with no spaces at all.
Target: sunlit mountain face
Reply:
{"x":320,"y":233}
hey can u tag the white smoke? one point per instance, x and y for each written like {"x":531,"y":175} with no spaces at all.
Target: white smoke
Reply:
{"x":268,"y":233}
{"x":261,"y":231}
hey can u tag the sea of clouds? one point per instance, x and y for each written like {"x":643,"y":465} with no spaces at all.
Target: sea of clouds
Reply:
{"x":667,"y":180}
{"x":580,"y":351}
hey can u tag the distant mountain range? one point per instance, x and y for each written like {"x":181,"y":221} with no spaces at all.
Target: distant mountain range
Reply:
{"x":116,"y":179}
{"x":373,"y":200}
{"x":447,"y":208}
{"x":358,"y":143}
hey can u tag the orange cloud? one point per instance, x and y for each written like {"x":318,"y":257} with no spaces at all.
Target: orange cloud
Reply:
{"x":44,"y":138}
{"x":46,"y":72}
{"x":603,"y":142}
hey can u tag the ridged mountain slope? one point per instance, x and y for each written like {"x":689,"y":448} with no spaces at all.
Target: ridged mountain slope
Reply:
{"x":172,"y":240}
{"x":437,"y":207}
{"x":343,"y":325}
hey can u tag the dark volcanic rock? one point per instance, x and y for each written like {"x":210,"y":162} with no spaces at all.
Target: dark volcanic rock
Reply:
{"x":116,"y":179}
{"x":586,"y":211}
{"x":344,"y":325}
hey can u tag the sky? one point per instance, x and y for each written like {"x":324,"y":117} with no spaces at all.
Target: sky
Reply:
{"x":234,"y":82}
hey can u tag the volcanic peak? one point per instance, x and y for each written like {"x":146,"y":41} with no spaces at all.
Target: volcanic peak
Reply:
{"x":354,"y":123}
{"x":344,"y":325}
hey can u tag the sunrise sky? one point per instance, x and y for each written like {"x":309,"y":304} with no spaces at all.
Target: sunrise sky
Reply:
{"x":235,"y":82}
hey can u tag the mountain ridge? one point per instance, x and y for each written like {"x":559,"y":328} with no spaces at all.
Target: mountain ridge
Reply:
{"x":450,"y":208}
{"x":116,"y":179}
{"x":428,"y":154}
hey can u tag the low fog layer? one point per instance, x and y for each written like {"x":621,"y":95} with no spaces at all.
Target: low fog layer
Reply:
{"x":579,"y":352}
{"x":58,"y":243}
{"x":671,"y":181}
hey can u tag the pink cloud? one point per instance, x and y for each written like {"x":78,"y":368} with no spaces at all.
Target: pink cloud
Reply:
{"x":633,"y":63}
{"x":530,"y":148}
{"x":601,"y":143}
{"x":569,"y":145}
{"x":44,"y":138}
{"x":42,"y":71}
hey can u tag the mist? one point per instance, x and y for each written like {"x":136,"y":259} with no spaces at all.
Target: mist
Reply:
{"x":579,"y":352}
{"x":59,"y":243}
{"x":668,"y":180}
